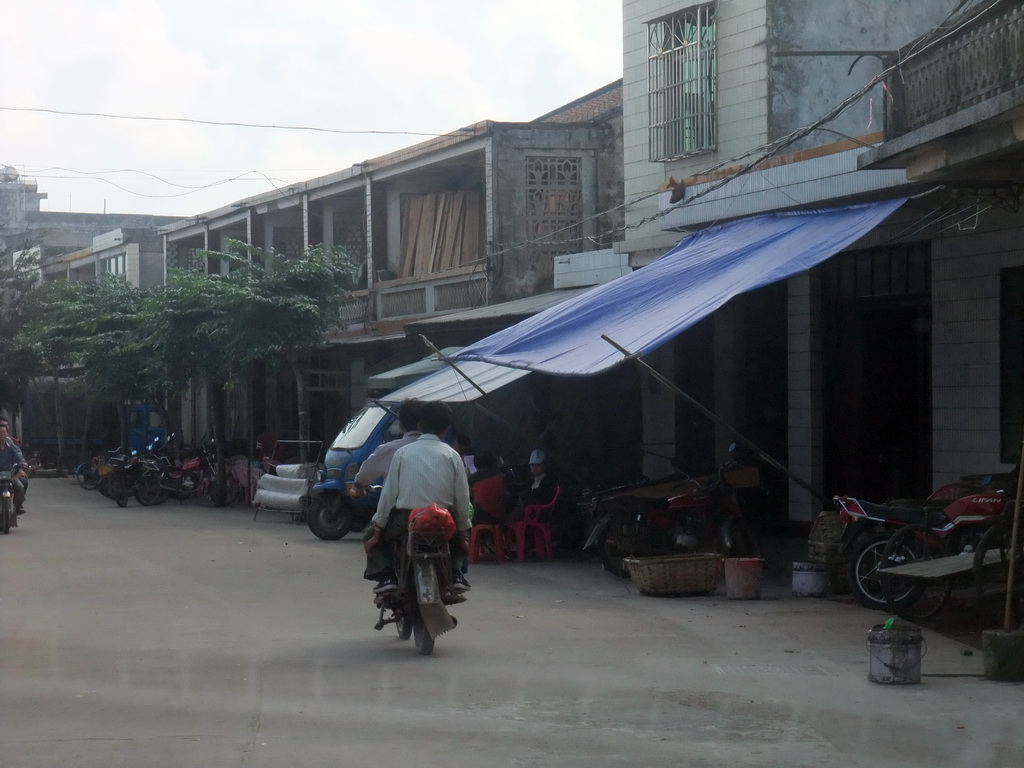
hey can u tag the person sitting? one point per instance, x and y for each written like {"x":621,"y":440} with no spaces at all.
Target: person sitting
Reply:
{"x":542,"y":486}
{"x":378,"y":463}
{"x":488,"y":492}
{"x":464,"y":446}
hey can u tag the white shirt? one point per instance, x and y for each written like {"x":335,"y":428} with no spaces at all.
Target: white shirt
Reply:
{"x":378,"y":463}
{"x":427,"y":471}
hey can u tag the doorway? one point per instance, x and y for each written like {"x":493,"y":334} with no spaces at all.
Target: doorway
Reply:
{"x":876,"y":357}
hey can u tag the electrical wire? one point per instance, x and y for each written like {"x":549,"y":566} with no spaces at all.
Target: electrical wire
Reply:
{"x":227,"y":123}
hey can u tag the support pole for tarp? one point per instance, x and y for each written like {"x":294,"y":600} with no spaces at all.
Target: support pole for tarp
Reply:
{"x":1011,"y":575}
{"x":456,"y":368}
{"x":720,"y":421}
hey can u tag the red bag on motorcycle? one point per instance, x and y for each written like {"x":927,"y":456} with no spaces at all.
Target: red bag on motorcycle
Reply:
{"x":432,"y":519}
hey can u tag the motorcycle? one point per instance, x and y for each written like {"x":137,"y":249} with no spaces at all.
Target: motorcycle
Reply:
{"x":422,"y":562}
{"x":953,"y":525}
{"x":121,"y":476}
{"x":675,"y":516}
{"x":162,"y":480}
{"x":8,"y":517}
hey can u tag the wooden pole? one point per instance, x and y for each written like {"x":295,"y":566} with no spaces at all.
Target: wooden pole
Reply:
{"x":1014,"y":543}
{"x":721,"y":422}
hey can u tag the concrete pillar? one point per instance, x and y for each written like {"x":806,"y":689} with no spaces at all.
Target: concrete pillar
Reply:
{"x":806,"y":441}
{"x":305,"y":221}
{"x":327,"y":226}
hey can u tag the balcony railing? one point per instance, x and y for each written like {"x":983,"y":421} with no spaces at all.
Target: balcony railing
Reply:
{"x":395,"y":299}
{"x":978,"y":63}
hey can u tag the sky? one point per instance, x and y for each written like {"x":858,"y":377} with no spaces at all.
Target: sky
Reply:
{"x":362,"y":67}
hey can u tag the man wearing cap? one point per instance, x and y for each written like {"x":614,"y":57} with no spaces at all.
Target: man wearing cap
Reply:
{"x":542,"y":489}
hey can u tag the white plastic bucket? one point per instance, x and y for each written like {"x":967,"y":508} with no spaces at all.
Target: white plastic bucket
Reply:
{"x":809,"y":580}
{"x":894,"y":655}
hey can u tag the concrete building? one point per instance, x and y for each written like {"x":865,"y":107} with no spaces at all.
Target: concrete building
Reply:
{"x":883,"y":371}
{"x":471,"y":219}
{"x":135,"y":254}
{"x":54,"y":234}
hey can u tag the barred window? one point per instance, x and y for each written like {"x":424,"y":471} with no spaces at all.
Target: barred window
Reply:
{"x":681,"y":83}
{"x":554,"y":204}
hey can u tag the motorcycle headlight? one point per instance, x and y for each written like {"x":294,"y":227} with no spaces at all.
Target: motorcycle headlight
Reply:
{"x":350,"y":471}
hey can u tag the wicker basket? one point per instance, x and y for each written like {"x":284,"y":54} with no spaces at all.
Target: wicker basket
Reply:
{"x":676,"y":574}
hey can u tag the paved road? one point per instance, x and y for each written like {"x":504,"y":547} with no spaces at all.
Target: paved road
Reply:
{"x":183,"y":636}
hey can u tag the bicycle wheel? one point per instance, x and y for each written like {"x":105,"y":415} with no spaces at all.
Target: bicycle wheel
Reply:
{"x":914,"y":598}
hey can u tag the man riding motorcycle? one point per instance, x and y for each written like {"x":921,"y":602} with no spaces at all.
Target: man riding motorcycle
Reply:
{"x":427,"y":471}
{"x":12,"y":458}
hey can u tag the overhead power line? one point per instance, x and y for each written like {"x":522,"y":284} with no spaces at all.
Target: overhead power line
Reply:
{"x":227,"y":123}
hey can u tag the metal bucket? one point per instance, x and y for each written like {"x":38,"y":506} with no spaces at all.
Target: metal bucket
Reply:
{"x":809,"y":580}
{"x":894,"y":655}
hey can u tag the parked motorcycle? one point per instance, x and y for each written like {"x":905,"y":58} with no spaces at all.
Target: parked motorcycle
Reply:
{"x":123,"y":471}
{"x":422,"y":562}
{"x":950,"y":526}
{"x":675,"y":516}
{"x":163,"y":480}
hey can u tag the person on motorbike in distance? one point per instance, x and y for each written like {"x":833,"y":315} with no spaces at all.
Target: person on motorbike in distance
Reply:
{"x":427,"y":471}
{"x":11,"y":458}
{"x":378,"y":463}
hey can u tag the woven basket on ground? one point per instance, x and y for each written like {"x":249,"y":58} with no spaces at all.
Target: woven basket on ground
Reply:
{"x":676,"y":574}
{"x":822,"y":546}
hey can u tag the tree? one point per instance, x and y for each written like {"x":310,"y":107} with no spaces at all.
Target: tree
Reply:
{"x":91,"y":333}
{"x":18,"y":274}
{"x":268,"y":308}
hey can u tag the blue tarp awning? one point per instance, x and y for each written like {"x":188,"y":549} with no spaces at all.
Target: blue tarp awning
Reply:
{"x":644,"y":309}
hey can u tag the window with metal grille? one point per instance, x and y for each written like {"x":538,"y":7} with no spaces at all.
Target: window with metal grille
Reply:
{"x":896,"y":270}
{"x":681,"y":83}
{"x":554,"y":199}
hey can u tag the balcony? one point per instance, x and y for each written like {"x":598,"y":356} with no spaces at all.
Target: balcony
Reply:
{"x":410,"y":298}
{"x":977,"y":64}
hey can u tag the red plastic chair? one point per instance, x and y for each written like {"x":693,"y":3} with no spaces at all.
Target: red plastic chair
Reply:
{"x":477,"y":541}
{"x":531,"y":523}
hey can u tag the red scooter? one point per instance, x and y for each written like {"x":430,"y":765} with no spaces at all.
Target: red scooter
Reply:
{"x":957,"y":522}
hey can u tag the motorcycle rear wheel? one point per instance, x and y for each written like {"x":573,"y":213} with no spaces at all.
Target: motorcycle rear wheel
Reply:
{"x":862,"y":571}
{"x":915,"y":599}
{"x":148,"y":491}
{"x":424,"y":642}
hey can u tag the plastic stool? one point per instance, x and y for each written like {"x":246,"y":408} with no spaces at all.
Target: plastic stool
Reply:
{"x":477,"y":541}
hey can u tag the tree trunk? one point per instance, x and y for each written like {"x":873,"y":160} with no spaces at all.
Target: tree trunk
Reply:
{"x":216,"y":395}
{"x":86,"y":452}
{"x":302,"y":397}
{"x":58,"y":417}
